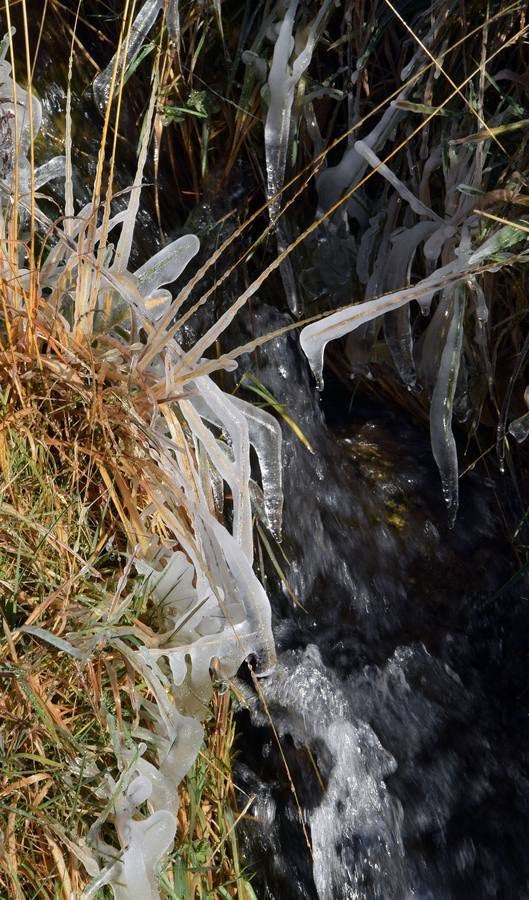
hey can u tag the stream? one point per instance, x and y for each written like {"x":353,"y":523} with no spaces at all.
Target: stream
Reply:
{"x":401,"y":697}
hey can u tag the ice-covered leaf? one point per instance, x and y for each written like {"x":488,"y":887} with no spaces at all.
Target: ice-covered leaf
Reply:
{"x":139,"y":30}
{"x":315,"y":337}
{"x":54,"y":168}
{"x":367,"y":153}
{"x":442,"y":438}
{"x":168,"y":264}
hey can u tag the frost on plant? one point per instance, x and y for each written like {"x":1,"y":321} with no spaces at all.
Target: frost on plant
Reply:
{"x":451,"y":246}
{"x":209,"y":609}
{"x":140,"y":28}
{"x":20,"y":119}
{"x":290,"y":59}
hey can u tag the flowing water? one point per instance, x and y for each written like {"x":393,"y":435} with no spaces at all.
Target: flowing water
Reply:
{"x":402,"y":697}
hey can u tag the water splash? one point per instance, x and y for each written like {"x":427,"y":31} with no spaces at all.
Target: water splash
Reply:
{"x":355,"y":829}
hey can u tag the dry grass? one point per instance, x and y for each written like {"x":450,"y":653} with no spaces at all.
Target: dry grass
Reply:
{"x":80,"y":489}
{"x":61,"y":569}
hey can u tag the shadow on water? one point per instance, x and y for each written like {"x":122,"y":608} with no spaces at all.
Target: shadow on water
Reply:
{"x":402,"y":693}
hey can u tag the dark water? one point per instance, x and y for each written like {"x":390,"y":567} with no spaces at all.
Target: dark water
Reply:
{"x":402,"y":694}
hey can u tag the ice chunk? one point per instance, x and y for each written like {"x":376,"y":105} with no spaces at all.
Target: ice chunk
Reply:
{"x":519,"y":428}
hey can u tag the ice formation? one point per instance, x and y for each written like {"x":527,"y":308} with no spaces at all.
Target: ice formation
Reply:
{"x":290,"y":59}
{"x":451,"y":263}
{"x":211,"y":609}
{"x":140,"y":28}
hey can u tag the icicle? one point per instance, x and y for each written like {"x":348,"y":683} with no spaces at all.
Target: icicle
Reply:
{"x":432,"y":163}
{"x":368,"y":240}
{"x":139,"y":30}
{"x":282,"y":82}
{"x":482,"y":310}
{"x":286,"y":270}
{"x":428,"y":346}
{"x":236,"y":473}
{"x":244,"y":618}
{"x":435,"y":243}
{"x":397,"y":325}
{"x":252,"y":59}
{"x":359,"y":348}
{"x":335,"y":180}
{"x":172,"y":21}
{"x":250,"y":593}
{"x":315,"y":337}
{"x":265,"y":436}
{"x":399,"y":338}
{"x":280,"y":91}
{"x":236,"y":426}
{"x":441,"y":435}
